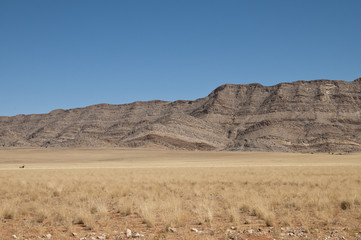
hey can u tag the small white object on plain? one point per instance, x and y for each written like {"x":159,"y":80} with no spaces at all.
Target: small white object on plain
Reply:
{"x":136,"y":235}
{"x":128,"y":233}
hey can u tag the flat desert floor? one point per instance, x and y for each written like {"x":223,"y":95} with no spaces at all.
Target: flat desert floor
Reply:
{"x":161,"y":194}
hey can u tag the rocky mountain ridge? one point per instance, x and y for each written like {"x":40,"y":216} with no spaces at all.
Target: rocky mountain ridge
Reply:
{"x":302,"y":116}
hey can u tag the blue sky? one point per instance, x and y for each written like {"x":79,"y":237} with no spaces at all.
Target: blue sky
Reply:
{"x":66,"y":54}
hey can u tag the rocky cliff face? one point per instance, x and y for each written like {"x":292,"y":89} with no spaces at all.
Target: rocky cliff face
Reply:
{"x":303,"y":116}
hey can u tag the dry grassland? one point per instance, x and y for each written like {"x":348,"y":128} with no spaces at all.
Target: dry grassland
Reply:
{"x":224,"y":195}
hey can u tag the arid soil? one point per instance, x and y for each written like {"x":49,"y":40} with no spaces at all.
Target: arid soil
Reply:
{"x":302,"y":116}
{"x":161,"y":194}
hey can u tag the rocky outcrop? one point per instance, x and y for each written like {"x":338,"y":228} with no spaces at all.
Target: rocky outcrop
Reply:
{"x":302,"y":116}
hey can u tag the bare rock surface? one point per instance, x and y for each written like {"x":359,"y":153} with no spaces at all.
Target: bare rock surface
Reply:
{"x":302,"y":116}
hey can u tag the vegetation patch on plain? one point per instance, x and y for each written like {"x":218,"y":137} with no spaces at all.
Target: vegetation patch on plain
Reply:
{"x":79,"y":193}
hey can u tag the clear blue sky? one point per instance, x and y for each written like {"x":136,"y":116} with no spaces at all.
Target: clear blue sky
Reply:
{"x":66,"y":54}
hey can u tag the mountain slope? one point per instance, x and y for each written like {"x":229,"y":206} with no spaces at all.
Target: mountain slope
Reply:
{"x":304,"y":116}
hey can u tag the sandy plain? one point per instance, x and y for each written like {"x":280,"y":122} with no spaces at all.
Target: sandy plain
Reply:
{"x":162,"y":194}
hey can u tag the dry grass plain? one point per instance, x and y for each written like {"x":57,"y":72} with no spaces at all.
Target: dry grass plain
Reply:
{"x":99,"y":193}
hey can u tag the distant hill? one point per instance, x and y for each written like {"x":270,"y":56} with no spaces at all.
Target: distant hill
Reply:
{"x":302,"y":116}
